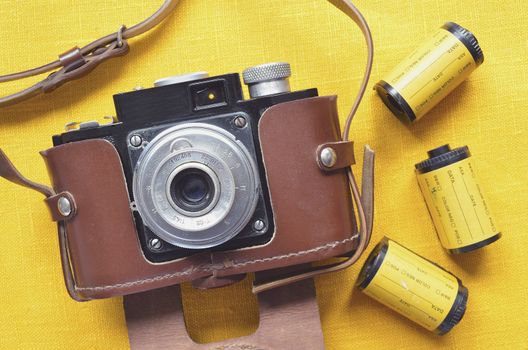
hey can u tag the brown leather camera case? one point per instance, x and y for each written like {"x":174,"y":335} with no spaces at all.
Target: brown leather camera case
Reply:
{"x":312,"y":208}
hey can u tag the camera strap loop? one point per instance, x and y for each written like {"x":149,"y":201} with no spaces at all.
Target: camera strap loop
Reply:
{"x":332,"y":156}
{"x":72,"y":59}
{"x":76,"y":63}
{"x":84,"y":65}
{"x":59,"y":213}
{"x":10,"y":173}
{"x":61,"y":205}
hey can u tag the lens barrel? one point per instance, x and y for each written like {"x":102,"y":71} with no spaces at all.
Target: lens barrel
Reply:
{"x":195,"y":186}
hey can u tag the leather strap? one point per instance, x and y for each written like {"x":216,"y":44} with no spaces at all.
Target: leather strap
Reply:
{"x":9,"y":172}
{"x":341,"y":153}
{"x":289,"y":319}
{"x":78,"y":62}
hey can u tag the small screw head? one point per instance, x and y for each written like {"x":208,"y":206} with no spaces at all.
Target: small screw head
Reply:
{"x":136,"y":140}
{"x":328,"y":157}
{"x":64,"y":206}
{"x":259,"y":225}
{"x":155,"y":244}
{"x":240,"y":122}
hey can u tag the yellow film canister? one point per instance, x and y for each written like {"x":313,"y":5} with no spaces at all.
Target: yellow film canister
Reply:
{"x":455,"y":200}
{"x":431,"y":72}
{"x":413,"y":286}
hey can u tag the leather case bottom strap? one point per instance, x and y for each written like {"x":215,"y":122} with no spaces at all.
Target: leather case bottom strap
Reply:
{"x":289,"y":319}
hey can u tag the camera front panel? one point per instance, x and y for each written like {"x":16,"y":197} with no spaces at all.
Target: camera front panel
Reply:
{"x":198,"y":184}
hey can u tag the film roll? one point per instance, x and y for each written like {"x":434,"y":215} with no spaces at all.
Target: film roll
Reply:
{"x":414,"y":287}
{"x":454,"y":197}
{"x":431,"y":72}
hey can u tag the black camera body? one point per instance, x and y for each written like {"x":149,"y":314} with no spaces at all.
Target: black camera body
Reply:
{"x":214,"y":104}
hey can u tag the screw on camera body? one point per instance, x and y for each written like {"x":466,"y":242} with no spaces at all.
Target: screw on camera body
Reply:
{"x":155,"y":244}
{"x":136,"y":141}
{"x":259,"y":226}
{"x":240,"y":122}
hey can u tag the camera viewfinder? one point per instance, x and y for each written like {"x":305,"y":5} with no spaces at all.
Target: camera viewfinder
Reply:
{"x":209,"y":94}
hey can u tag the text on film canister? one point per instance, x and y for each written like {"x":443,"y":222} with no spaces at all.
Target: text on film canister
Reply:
{"x":431,"y":72}
{"x":414,"y":287}
{"x":454,"y":197}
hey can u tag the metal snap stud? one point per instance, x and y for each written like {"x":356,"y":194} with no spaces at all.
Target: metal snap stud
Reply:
{"x":64,"y":206}
{"x":328,"y":157}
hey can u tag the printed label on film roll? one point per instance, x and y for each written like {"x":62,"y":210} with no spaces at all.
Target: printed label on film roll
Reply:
{"x":414,"y":287}
{"x":458,"y":208}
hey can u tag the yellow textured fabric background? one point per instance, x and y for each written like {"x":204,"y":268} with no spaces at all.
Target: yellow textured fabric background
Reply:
{"x":326,"y":50}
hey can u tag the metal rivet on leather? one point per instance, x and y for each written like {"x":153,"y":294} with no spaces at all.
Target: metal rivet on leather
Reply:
{"x":328,"y":157}
{"x":64,"y":206}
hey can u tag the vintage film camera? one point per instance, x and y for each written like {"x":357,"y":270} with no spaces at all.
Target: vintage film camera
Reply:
{"x":192,"y":159}
{"x":190,"y":182}
{"x":193,"y":183}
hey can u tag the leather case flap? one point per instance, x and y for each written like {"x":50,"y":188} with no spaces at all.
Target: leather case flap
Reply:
{"x":103,"y":244}
{"x":312,"y":210}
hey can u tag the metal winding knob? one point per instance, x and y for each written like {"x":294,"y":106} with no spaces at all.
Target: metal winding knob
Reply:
{"x":267,"y":79}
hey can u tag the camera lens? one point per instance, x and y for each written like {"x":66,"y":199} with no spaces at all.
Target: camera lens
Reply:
{"x":192,"y":190}
{"x":196,"y":186}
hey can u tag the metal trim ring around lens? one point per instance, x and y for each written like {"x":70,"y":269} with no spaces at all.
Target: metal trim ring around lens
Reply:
{"x":214,"y":148}
{"x":178,"y":218}
{"x":209,"y":172}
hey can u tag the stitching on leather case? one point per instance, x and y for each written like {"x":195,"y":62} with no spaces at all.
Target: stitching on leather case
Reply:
{"x":239,"y":347}
{"x":216,"y":267}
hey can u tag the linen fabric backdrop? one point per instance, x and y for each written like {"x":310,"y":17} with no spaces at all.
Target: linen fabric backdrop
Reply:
{"x":487,"y":112}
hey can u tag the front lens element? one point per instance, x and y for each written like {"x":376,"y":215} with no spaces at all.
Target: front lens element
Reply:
{"x":192,"y":190}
